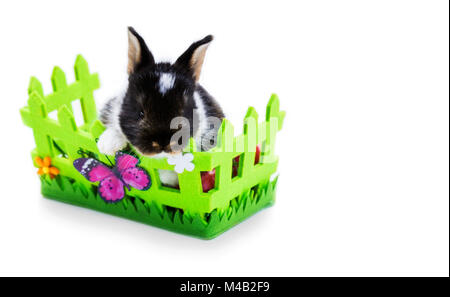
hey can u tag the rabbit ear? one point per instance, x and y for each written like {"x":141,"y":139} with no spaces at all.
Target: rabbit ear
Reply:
{"x":192,"y":59}
{"x":139,"y":56}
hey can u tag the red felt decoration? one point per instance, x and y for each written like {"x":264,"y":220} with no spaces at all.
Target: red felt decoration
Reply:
{"x":209,"y":177}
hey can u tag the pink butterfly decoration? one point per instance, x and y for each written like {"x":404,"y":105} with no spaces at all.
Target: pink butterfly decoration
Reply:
{"x":125,"y":173}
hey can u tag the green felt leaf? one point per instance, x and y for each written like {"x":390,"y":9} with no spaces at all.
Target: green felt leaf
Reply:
{"x":70,"y":191}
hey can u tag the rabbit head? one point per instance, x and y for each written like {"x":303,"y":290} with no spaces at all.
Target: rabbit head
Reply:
{"x":158,"y":93}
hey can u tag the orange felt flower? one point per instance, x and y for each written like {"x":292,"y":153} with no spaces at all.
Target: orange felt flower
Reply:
{"x":45,"y":167}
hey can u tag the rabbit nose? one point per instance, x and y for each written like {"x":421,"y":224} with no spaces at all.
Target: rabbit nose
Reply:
{"x":172,"y":146}
{"x":155,"y":145}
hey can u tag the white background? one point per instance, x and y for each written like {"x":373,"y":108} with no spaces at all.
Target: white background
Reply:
{"x":364,"y":161}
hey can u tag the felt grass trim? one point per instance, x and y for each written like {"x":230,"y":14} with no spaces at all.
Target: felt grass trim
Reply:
{"x":206,"y":226}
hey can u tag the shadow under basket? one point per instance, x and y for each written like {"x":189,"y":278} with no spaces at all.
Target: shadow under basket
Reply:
{"x":241,"y":170}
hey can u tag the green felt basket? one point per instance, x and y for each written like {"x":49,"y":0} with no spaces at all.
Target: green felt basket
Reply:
{"x":188,"y":210}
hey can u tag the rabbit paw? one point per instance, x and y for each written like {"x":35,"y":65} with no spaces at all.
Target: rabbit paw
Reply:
{"x":111,"y":141}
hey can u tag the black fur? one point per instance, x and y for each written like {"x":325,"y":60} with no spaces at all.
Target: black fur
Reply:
{"x":146,"y":113}
{"x":146,"y":56}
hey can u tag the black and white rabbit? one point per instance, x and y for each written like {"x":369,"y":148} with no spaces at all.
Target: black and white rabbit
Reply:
{"x":158,"y":93}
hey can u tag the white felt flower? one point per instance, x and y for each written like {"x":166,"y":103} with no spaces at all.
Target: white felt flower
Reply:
{"x":182,"y":162}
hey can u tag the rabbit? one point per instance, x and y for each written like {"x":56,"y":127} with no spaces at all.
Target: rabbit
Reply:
{"x":156,"y":94}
